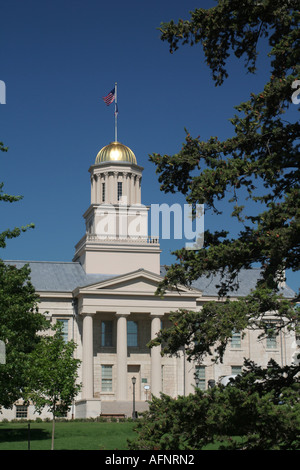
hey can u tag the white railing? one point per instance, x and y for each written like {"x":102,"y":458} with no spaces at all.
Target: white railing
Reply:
{"x":92,"y":237}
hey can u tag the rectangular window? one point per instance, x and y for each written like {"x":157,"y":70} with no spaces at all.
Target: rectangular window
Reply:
{"x":271,"y":341}
{"x":103,"y":192}
{"x":236,"y":370}
{"x":236,"y":339}
{"x":106,"y":333}
{"x":132,"y":333}
{"x":106,"y":378}
{"x":200,"y":377}
{"x":21,"y":411}
{"x":119,"y":190}
{"x":65,"y":329}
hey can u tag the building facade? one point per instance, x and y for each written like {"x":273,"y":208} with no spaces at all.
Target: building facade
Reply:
{"x":106,"y":300}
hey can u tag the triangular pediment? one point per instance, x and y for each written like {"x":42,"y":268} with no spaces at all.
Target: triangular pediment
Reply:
{"x":139,"y":282}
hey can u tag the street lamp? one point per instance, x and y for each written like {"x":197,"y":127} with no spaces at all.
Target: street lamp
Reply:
{"x":133,"y":380}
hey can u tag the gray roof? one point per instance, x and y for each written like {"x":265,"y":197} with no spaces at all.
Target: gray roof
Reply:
{"x":247,"y":279}
{"x":51,"y":276}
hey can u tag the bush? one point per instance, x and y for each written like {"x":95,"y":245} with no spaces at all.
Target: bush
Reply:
{"x":264,"y":412}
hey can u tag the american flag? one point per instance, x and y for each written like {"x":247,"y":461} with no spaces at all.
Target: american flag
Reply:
{"x":109,"y":98}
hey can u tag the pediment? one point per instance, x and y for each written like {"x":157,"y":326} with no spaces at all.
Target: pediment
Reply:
{"x":138,"y":282}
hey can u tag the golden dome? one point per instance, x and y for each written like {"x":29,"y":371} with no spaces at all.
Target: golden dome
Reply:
{"x":116,"y":152}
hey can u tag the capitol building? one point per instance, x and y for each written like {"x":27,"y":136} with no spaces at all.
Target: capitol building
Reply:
{"x":105,"y":299}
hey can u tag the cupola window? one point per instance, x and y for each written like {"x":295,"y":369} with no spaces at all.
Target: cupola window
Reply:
{"x":119,"y":190}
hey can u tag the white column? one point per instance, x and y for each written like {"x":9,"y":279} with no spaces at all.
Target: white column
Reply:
{"x":189,"y":377}
{"x":111,"y":188}
{"x":102,"y":180}
{"x":121,"y":357}
{"x":106,"y":187}
{"x":129,"y":192}
{"x":137,"y":190}
{"x":155,"y":358}
{"x":136,"y":179}
{"x":92,"y":189}
{"x":139,"y":196}
{"x":132,"y":190}
{"x":180,"y":373}
{"x":97,"y":188}
{"x":87,"y":357}
{"x":115,"y":190}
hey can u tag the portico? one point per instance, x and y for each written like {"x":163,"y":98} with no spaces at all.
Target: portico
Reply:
{"x":121,"y":362}
{"x":115,"y":337}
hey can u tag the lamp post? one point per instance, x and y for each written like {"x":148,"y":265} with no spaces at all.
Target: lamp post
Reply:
{"x":133,"y":380}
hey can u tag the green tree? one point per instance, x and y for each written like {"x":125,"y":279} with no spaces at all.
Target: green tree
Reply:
{"x":8,"y":234}
{"x":19,"y":324}
{"x":53,"y":375}
{"x":261,"y":159}
{"x":19,"y":318}
{"x":268,"y":418}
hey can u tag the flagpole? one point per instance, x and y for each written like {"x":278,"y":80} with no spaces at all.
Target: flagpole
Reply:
{"x":116,"y":114}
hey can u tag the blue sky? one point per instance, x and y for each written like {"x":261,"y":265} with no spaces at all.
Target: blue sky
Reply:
{"x":58,"y":58}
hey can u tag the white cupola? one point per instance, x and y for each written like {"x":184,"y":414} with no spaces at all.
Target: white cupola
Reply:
{"x":116,"y":239}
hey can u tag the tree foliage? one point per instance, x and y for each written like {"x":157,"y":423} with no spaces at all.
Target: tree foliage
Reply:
{"x":20,"y":324}
{"x":261,"y":407}
{"x":10,"y":233}
{"x":261,"y":160}
{"x":20,"y":321}
{"x":53,"y":375}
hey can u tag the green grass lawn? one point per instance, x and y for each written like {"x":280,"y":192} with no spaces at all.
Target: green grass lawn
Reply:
{"x":71,"y":435}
